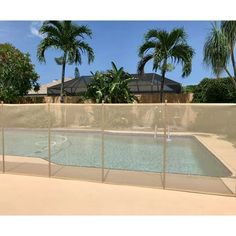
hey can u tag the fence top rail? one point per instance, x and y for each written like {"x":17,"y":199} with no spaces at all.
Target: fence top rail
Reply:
{"x":86,"y":104}
{"x":121,"y":104}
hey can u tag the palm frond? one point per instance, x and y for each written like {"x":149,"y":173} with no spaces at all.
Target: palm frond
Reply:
{"x":153,"y":33}
{"x":85,"y":48}
{"x":44,"y":45}
{"x":54,"y":23}
{"x":187,"y":68}
{"x":162,"y":37}
{"x":183,"y":53}
{"x":49,"y":30}
{"x":81,"y":31}
{"x":177,"y":36}
{"x":157,"y":58}
{"x":145,"y":47}
{"x":216,"y":50}
{"x":78,"y":58}
{"x":59,"y":60}
{"x":229,"y":29}
{"x":66,"y":25}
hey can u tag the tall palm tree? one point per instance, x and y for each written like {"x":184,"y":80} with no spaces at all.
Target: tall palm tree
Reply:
{"x":166,"y":49}
{"x":219,"y":49}
{"x":68,"y":37}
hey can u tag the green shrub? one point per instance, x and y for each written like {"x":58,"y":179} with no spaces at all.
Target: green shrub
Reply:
{"x":110,"y":87}
{"x":189,"y":88}
{"x":214,"y":91}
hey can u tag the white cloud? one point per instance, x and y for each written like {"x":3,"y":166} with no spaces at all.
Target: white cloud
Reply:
{"x":34,"y":28}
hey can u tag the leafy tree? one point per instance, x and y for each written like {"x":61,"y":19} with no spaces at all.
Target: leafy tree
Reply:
{"x":69,"y":39}
{"x":98,"y":89}
{"x":110,"y":87}
{"x":219,"y":49}
{"x":166,"y":49}
{"x":214,"y":91}
{"x":17,"y":74}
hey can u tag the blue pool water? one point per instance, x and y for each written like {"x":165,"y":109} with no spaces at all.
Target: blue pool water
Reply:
{"x":128,"y":152}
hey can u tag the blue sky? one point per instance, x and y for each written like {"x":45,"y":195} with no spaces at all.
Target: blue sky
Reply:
{"x":116,"y":41}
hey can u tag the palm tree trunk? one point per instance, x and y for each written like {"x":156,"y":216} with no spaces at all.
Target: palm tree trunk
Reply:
{"x":233,"y":62}
{"x":231,"y":77}
{"x":162,"y":85}
{"x":63,"y":78}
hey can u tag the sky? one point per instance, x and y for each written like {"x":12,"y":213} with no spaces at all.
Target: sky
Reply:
{"x":116,"y":41}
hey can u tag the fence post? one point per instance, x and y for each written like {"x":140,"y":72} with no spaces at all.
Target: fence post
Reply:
{"x":156,"y":121}
{"x":102,"y":144}
{"x":164,"y":149}
{"x":49,"y":141}
{"x":3,"y":143}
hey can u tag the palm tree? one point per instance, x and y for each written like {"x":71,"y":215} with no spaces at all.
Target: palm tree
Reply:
{"x":76,"y":73}
{"x":69,"y":39}
{"x":219,"y":49}
{"x":166,"y":49}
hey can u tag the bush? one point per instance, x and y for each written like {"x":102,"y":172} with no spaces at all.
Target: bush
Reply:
{"x":214,"y":91}
{"x":189,"y":88}
{"x":17,"y":74}
{"x":110,"y":87}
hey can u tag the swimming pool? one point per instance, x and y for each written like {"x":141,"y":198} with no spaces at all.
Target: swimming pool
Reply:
{"x":185,"y":155}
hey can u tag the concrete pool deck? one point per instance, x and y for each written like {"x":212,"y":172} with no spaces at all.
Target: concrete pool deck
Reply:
{"x":181,"y":182}
{"x":222,"y":149}
{"x":225,"y":151}
{"x":37,"y":195}
{"x":29,"y":195}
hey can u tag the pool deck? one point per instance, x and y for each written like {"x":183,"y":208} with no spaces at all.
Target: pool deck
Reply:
{"x":222,"y":149}
{"x":30,"y":195}
{"x":22,"y":194}
{"x":225,"y":152}
{"x":181,"y":182}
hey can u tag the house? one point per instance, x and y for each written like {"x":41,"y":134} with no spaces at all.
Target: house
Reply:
{"x":146,"y":88}
{"x":43,"y":88}
{"x":147,"y":84}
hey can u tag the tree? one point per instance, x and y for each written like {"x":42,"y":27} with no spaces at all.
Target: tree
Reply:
{"x":69,"y":39}
{"x":17,"y":74}
{"x":219,"y":49}
{"x":214,"y":91}
{"x":189,"y":88}
{"x":110,"y":87}
{"x":77,"y":74}
{"x":167,"y":49}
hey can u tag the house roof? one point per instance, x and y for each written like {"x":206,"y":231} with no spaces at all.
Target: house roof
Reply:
{"x":148,"y":83}
{"x":43,"y":88}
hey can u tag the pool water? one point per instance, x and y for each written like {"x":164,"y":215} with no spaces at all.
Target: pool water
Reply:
{"x":185,"y":155}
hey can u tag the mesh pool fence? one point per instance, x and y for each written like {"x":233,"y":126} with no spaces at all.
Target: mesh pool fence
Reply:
{"x":187,"y":147}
